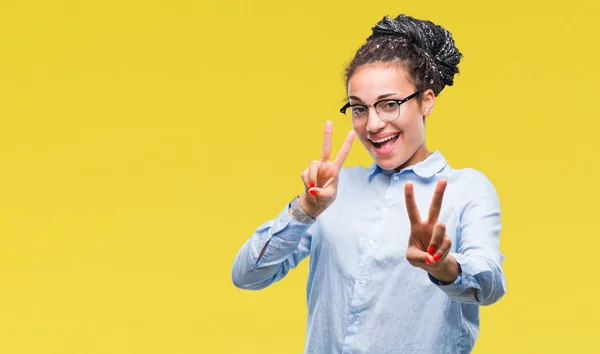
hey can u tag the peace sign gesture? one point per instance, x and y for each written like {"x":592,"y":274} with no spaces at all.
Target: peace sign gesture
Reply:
{"x":321,"y":177}
{"x":428,"y":244}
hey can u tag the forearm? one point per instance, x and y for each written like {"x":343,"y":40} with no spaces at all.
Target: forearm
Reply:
{"x":264,"y":249}
{"x":487,"y":277}
{"x":246,"y":273}
{"x":262,"y":253}
{"x":479,"y":279}
{"x":274,"y":248}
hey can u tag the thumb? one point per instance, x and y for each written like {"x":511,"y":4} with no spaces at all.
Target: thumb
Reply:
{"x":418,"y":258}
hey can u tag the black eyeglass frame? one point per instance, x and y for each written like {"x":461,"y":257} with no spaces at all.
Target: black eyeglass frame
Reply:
{"x":399,"y":102}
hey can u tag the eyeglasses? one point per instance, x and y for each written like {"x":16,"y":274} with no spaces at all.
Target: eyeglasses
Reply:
{"x":387,"y":110}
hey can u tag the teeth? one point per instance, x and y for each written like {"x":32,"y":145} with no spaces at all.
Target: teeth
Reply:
{"x":385,"y":139}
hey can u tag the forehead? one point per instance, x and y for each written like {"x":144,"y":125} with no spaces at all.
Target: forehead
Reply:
{"x":371,"y":80}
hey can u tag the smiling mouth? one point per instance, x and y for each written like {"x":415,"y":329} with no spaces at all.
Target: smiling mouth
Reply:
{"x":385,"y":142}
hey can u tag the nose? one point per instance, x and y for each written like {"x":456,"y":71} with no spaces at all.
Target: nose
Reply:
{"x":374,"y":124}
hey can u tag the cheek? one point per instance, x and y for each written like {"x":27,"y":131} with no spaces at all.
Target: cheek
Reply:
{"x":361,"y":133}
{"x":413,"y":129}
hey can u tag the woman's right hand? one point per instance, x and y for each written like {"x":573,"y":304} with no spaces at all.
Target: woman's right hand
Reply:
{"x":321,"y":177}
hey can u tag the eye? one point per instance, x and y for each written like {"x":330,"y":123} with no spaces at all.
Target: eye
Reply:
{"x":389,"y":106}
{"x":358,"y":111}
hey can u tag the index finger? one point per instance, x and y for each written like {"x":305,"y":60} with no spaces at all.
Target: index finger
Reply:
{"x":411,"y":205}
{"x":344,"y":150}
{"x":326,"y":149}
{"x":436,"y":202}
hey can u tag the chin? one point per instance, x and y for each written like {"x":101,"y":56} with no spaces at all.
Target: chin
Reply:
{"x":390,"y":157}
{"x":389,"y":162}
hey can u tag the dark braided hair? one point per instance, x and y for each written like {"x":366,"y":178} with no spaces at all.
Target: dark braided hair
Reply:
{"x":426,"y":51}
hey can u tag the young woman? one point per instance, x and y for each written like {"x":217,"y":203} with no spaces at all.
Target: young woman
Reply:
{"x":402,"y":253}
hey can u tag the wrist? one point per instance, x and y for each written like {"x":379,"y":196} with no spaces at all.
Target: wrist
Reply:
{"x":308,"y":208}
{"x":448,"y":270}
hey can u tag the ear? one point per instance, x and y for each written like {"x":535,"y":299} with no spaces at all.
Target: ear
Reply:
{"x":427,"y":101}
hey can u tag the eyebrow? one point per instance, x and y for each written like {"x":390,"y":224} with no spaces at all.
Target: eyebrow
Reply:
{"x":378,"y":98}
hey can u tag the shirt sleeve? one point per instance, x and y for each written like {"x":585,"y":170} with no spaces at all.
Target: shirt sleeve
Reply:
{"x":289,"y":243}
{"x":478,"y":253}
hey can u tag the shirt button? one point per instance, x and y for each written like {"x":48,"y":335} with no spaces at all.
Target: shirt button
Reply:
{"x":384,"y":209}
{"x":396,"y":178}
{"x":371,"y":243}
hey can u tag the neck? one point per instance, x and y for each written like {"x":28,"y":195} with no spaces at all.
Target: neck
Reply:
{"x":421,"y":154}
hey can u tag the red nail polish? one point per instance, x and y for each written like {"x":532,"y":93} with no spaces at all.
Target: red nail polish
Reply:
{"x":311,"y":185}
{"x":313,"y":191}
{"x":428,"y":261}
{"x":436,"y":257}
{"x":431,"y":250}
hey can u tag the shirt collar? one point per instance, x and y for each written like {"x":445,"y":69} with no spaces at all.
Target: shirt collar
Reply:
{"x":427,"y":168}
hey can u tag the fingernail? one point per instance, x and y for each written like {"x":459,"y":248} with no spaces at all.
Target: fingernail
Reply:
{"x":313,"y":191}
{"x":436,"y":257}
{"x":311,"y":185}
{"x":428,"y":261}
{"x":431,"y":250}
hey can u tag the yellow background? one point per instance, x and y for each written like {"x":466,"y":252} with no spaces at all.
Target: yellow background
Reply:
{"x":141,"y":142}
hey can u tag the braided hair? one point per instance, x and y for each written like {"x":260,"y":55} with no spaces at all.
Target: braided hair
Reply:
{"x":426,"y":50}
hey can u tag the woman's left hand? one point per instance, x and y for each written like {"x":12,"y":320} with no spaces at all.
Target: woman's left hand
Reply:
{"x":428,"y":243}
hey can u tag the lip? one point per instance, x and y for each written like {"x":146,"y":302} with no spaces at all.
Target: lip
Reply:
{"x":387,"y":150}
{"x":381,"y":136}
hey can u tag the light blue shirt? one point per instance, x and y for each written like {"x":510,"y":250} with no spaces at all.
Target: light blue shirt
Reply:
{"x":362,"y":294}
